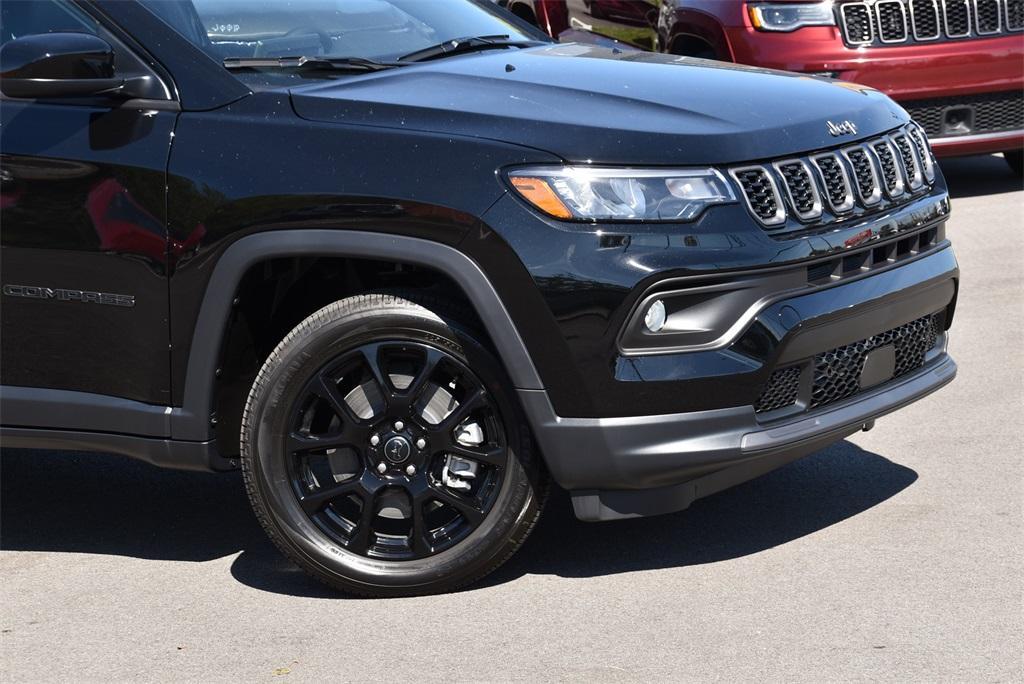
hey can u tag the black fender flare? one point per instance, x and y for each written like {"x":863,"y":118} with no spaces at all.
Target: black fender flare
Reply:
{"x":192,"y":420}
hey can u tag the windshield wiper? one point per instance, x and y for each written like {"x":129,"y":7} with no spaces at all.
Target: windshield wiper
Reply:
{"x":301,"y":62}
{"x":468,"y":44}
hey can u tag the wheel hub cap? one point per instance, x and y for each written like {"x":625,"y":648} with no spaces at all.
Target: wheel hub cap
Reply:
{"x":397,"y":449}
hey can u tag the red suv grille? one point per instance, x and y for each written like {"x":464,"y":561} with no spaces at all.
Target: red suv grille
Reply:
{"x":897,"y":22}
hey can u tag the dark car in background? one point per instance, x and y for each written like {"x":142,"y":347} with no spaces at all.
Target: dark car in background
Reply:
{"x":957,"y":66}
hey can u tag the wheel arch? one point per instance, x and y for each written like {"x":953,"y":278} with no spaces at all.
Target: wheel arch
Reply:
{"x":524,"y":11}
{"x":193,"y":420}
{"x":692,"y":27}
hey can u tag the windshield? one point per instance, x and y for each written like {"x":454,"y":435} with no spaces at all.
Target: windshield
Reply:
{"x":379,"y":30}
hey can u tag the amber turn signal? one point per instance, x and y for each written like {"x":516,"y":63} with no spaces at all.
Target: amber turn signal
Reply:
{"x":537,"y":192}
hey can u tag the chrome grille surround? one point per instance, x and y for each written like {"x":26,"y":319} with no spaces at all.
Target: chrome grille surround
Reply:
{"x":961,"y":13}
{"x":785,"y":194}
{"x":920,"y":139}
{"x":801,"y":190}
{"x":835,"y":180}
{"x":891,"y":175}
{"x":920,"y":10}
{"x":867,"y":23}
{"x":865,"y":172}
{"x":987,"y":17}
{"x":742,"y":177}
{"x":891,"y":17}
{"x":854,"y":18}
{"x":912,"y":172}
{"x":1013,"y":14}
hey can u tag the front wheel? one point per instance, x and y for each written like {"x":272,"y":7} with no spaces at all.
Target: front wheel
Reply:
{"x":384,"y":453}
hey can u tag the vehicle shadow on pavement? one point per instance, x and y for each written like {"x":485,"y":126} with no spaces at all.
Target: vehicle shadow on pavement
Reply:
{"x":978,"y":176}
{"x":90,"y":503}
{"x":799,"y":499}
{"x":106,"y":504}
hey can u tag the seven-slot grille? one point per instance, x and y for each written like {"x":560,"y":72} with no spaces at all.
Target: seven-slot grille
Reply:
{"x":892,"y":166}
{"x":893,"y":22}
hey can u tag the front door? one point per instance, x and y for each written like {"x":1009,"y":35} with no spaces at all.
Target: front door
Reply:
{"x":83,"y":230}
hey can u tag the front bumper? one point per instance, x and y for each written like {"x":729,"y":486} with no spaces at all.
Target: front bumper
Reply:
{"x":910,"y":74}
{"x":982,"y":143}
{"x":631,"y":466}
{"x":903,"y":72}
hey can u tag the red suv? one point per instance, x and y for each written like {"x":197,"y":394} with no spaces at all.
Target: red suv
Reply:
{"x":957,"y":66}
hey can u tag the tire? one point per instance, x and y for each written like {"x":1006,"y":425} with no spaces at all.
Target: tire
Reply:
{"x":348,"y":483}
{"x":1015,"y":158}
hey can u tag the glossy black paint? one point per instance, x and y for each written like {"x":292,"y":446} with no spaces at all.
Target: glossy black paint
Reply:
{"x":57,"y":55}
{"x":323,"y":176}
{"x":599,"y":105}
{"x":408,"y":455}
{"x":57,"y":65}
{"x":416,"y":152}
{"x":84,"y":209}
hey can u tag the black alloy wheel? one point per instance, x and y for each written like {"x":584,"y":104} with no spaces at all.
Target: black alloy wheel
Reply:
{"x":384,"y":453}
{"x":374,"y":435}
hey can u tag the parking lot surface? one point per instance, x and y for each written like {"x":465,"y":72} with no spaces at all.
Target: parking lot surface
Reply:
{"x":895,"y":555}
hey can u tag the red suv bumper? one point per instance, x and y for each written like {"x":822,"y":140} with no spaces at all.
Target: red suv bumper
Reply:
{"x":935,"y":82}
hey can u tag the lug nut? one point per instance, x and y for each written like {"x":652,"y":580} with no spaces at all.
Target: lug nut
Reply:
{"x":399,"y":425}
{"x":421,"y":443}
{"x":375,"y":440}
{"x":381,"y":467}
{"x":411,"y":470}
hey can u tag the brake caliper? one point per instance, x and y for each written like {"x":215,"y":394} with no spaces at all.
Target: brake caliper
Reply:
{"x":459,"y":473}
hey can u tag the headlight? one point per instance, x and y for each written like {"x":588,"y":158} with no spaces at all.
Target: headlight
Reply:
{"x":774,"y":16}
{"x":580,"y":193}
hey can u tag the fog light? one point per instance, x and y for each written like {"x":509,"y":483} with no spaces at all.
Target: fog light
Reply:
{"x":655,"y":317}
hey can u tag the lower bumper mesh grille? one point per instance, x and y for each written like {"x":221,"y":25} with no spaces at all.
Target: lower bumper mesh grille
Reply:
{"x":837,"y":372}
{"x":991,"y":113}
{"x":781,"y":391}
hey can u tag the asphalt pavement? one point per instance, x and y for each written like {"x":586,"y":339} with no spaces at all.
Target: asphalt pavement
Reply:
{"x":895,"y":555}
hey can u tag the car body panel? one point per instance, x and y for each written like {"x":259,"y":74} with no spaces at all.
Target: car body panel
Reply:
{"x":905,"y":72}
{"x":84,"y":212}
{"x":640,"y":108}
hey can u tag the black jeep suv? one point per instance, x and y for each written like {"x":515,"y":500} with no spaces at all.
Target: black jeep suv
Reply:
{"x":405,"y":262}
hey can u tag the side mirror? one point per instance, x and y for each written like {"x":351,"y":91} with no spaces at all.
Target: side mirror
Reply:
{"x":58,"y":65}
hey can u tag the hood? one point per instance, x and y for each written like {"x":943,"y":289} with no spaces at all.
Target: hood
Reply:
{"x":592,"y":104}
